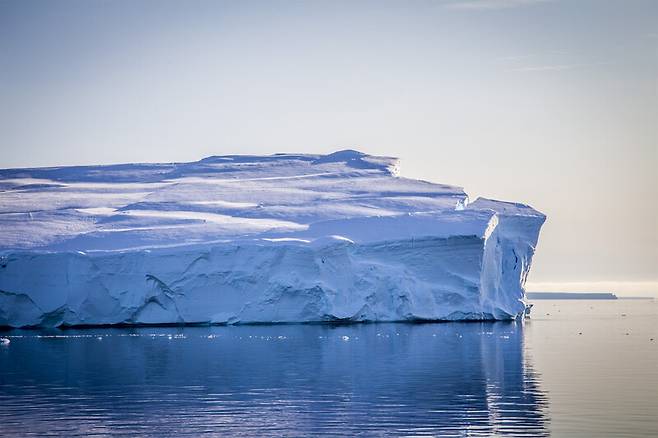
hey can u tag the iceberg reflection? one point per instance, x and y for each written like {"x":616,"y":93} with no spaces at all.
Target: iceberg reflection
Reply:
{"x":393,"y":379}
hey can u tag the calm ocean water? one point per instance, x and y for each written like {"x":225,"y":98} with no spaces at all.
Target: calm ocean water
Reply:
{"x":576,"y":368}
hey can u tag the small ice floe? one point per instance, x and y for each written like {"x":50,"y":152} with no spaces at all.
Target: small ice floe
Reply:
{"x":345,"y":338}
{"x":4,"y":341}
{"x":100,"y":338}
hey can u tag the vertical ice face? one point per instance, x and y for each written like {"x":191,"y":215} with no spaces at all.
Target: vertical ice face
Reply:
{"x":242,"y":239}
{"x":508,"y":254}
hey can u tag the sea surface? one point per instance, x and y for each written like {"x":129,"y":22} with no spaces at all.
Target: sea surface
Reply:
{"x":574,"y":369}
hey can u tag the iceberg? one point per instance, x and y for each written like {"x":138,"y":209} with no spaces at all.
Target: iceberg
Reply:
{"x":237,"y":239}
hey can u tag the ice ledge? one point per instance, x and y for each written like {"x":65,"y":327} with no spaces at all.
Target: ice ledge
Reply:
{"x":506,"y":208}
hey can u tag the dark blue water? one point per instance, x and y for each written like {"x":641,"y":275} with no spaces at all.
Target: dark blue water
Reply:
{"x":452,"y":379}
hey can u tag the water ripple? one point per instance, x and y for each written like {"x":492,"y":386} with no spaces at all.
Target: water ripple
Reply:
{"x":387,"y":380}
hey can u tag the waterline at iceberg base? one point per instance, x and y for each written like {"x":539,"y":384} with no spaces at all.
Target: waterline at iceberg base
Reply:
{"x":255,"y":239}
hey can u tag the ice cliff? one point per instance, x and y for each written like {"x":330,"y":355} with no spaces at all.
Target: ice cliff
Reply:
{"x":255,"y":239}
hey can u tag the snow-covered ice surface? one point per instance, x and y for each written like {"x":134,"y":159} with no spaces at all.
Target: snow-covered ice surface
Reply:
{"x":255,"y":239}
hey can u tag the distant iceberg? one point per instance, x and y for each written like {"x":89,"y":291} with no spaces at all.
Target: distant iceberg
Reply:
{"x":255,"y":239}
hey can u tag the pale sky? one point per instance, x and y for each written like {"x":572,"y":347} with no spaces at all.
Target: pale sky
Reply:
{"x":551,"y":103}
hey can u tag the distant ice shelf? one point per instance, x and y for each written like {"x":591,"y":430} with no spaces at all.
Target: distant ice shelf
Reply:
{"x":255,"y":239}
{"x":571,"y":296}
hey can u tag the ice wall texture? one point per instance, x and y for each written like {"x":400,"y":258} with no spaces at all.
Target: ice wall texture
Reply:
{"x":253,"y":239}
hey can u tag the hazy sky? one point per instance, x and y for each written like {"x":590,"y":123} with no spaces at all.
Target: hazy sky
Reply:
{"x":552,"y":103}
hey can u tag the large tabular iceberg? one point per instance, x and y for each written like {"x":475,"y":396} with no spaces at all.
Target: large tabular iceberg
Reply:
{"x":251,"y":239}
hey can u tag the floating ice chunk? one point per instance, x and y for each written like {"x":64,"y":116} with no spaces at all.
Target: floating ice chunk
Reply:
{"x":249,"y":239}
